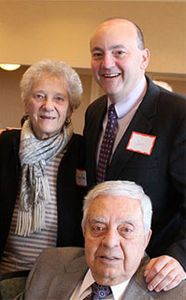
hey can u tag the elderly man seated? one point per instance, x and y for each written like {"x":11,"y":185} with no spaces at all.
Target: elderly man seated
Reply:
{"x":116,"y":225}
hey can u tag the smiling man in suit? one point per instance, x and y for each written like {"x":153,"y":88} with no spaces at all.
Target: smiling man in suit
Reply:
{"x":117,"y":228}
{"x":146,"y":144}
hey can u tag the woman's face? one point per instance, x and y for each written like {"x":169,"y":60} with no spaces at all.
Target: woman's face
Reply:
{"x":48,"y":106}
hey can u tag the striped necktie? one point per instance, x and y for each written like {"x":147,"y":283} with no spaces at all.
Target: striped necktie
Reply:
{"x":107,"y":143}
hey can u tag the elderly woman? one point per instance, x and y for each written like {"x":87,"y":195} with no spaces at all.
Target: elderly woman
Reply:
{"x":42,"y":177}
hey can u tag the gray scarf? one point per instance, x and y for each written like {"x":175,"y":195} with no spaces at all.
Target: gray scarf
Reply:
{"x":34,"y":191}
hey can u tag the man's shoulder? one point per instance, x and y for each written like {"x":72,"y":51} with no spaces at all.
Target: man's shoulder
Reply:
{"x":169,"y":98}
{"x":178,"y":292}
{"x":53,"y":261}
{"x":9,"y":134}
{"x":173,"y":98}
{"x":59,"y":253}
{"x":55,"y":272}
{"x":75,"y":141}
{"x":137,"y":288}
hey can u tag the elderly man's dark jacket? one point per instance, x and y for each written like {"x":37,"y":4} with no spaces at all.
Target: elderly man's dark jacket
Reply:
{"x":69,"y":194}
{"x":162,"y":174}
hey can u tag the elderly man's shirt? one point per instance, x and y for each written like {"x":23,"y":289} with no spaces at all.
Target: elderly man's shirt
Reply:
{"x":83,"y":289}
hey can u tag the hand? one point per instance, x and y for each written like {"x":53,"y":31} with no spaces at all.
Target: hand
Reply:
{"x":163,"y":273}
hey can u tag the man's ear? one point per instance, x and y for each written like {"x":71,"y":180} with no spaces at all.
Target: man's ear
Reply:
{"x":146,"y":58}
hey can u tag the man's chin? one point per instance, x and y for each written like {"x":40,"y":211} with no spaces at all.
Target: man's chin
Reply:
{"x":108,"y":277}
{"x":107,"y":273}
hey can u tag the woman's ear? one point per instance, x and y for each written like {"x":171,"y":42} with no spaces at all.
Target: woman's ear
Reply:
{"x":69,"y":112}
{"x":25,"y":101}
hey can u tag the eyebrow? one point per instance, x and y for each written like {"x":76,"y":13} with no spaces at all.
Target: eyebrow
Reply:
{"x":111,"y":48}
{"x":103,"y":220}
{"x":118,"y":46}
{"x":96,"y":49}
{"x":97,"y":219}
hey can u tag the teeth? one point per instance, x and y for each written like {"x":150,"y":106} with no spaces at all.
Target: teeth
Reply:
{"x":110,"y":75}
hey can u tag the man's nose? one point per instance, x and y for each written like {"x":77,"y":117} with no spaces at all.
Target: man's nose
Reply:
{"x":108,"y":61}
{"x":111,"y":238}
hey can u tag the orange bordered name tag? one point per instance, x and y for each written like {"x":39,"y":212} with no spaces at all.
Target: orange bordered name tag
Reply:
{"x":141,"y":143}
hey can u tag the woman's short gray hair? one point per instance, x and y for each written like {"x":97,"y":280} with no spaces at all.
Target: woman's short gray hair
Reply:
{"x":58,"y":69}
{"x":120,"y":188}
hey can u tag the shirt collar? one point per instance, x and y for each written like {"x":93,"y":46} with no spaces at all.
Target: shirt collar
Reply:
{"x":117,"y":290}
{"x":133,"y":99}
{"x":87,"y":282}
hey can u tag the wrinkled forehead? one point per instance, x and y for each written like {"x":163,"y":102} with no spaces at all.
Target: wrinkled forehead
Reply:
{"x":115,"y":208}
{"x":114,"y":32}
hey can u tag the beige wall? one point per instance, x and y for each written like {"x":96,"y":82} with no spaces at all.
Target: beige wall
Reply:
{"x":34,"y":29}
{"x":11,"y":108}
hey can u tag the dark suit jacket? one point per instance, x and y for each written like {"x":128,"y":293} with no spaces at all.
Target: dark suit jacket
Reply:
{"x":58,"y":271}
{"x":69,"y":194}
{"x":162,"y":174}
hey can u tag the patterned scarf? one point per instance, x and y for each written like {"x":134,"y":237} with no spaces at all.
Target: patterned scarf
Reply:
{"x":34,"y":191}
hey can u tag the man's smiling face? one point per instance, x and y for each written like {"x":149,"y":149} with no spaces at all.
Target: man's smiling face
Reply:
{"x":118,"y":63}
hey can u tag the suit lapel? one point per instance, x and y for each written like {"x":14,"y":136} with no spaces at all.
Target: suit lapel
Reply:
{"x":63,"y":285}
{"x":99,"y":117}
{"x":95,"y":121}
{"x":137,"y":292}
{"x":137,"y":288}
{"x":142,"y":123}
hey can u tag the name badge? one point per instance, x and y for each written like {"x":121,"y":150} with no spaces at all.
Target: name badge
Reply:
{"x":81,"y":177}
{"x":141,"y":143}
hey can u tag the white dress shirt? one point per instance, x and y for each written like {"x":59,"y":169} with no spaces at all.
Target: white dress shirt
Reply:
{"x":83,"y":289}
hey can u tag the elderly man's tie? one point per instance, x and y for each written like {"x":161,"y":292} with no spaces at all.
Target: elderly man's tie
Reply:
{"x":107,"y":144}
{"x":99,"y":292}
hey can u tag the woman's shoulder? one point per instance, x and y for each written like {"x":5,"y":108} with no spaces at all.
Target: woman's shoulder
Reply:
{"x":75,"y":148}
{"x":77,"y":139}
{"x":77,"y":136}
{"x":10,"y":136}
{"x":10,"y":132}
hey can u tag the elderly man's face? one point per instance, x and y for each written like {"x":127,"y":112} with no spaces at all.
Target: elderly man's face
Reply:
{"x":114,"y":238}
{"x":48,"y":106}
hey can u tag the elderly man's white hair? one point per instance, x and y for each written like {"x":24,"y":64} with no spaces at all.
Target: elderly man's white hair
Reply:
{"x":120,"y":188}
